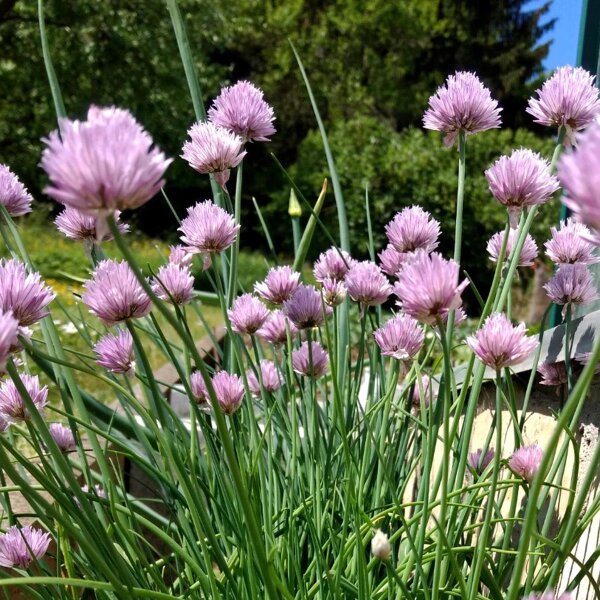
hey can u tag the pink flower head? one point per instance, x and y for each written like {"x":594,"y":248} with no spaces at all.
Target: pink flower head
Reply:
{"x":479,"y":461}
{"x":529,"y":251}
{"x":12,"y":404}
{"x":568,"y":99}
{"x":549,"y":596}
{"x":174,"y":283}
{"x":519,"y":180}
{"x":213,"y":149}
{"x":114,"y":294}
{"x":463,"y":104}
{"x":428,"y":287}
{"x":526,"y":461}
{"x":78,"y":225}
{"x":248,"y":314}
{"x":391,"y":261}
{"x":553,"y":374}
{"x":198,"y":387}
{"x":229,"y":391}
{"x":271,"y":378}
{"x":97,"y":491}
{"x":63,"y":436}
{"x":19,"y":547}
{"x":180,"y":256}
{"x":115,"y":353}
{"x":570,"y":244}
{"x":579,"y":174}
{"x":401,"y":338}
{"x":334,"y":291}
{"x":13,"y":193}
{"x":413,"y":229}
{"x":301,"y":360}
{"x":242,"y":109}
{"x":572,"y":284}
{"x":208,"y":228}
{"x":9,"y":330}
{"x":103,"y":164}
{"x":304,"y":309}
{"x":23,"y":293}
{"x":279,"y":285}
{"x":428,"y":391}
{"x":367,"y":284}
{"x":500,"y":344}
{"x":274,"y":329}
{"x":332,"y":264}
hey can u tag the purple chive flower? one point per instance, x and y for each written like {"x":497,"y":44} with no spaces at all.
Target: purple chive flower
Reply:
{"x":334,"y":291}
{"x":248,"y":314}
{"x":332,"y":264}
{"x":174,"y":283}
{"x":367,"y":284}
{"x":391,"y":261}
{"x":19,"y":547}
{"x":583,"y":358}
{"x":12,"y":404}
{"x":274,"y":329}
{"x":572,"y":284}
{"x":63,"y":436}
{"x":242,"y":109}
{"x":304,"y":308}
{"x":23,"y":293}
{"x":9,"y":330}
{"x":13,"y":194}
{"x":428,"y":392}
{"x":529,"y":251}
{"x":568,"y":99}
{"x":213,"y":149}
{"x":229,"y":391}
{"x":198,"y":387}
{"x":115,"y":353}
{"x":401,"y":338}
{"x":279,"y":285}
{"x":180,"y":256}
{"x":570,"y":244}
{"x":77,"y":225}
{"x":553,"y":374}
{"x":428,"y":287}
{"x":500,"y":344}
{"x":271,"y":378}
{"x":548,"y":596}
{"x":462,"y":104}
{"x":114,"y":294}
{"x":413,"y":229}
{"x":301,"y":360}
{"x":479,"y":461}
{"x":519,"y":180}
{"x":526,"y":461}
{"x":579,"y":174}
{"x":103,"y":164}
{"x":208,"y":228}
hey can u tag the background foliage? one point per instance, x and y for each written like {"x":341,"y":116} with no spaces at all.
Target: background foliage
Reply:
{"x":373,"y":64}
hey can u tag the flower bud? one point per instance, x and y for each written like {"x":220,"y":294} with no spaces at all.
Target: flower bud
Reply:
{"x":380,"y":546}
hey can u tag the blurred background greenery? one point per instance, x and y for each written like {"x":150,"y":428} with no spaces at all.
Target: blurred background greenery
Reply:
{"x":372,"y":63}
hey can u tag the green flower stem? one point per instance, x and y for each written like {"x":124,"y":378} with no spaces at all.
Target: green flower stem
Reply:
{"x":446,"y":398}
{"x":568,"y":335}
{"x":480,"y":554}
{"x":271,"y":581}
{"x":460,"y":198}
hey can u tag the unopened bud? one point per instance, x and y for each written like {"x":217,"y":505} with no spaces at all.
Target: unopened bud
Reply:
{"x":294,"y":208}
{"x":380,"y":546}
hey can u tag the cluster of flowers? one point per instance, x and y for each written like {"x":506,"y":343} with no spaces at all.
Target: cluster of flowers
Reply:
{"x":108,"y":163}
